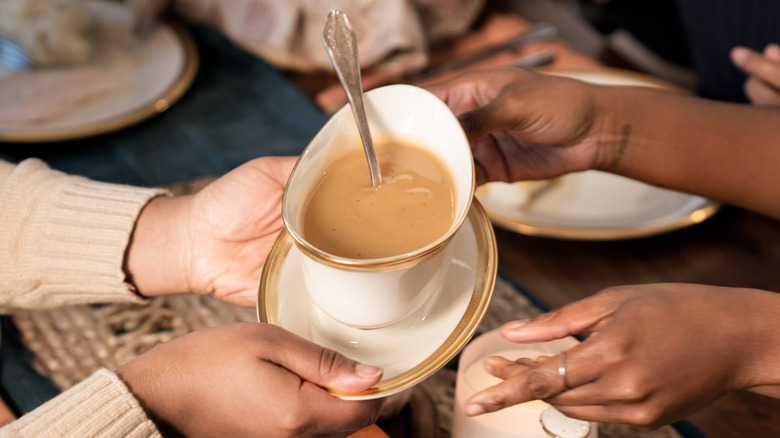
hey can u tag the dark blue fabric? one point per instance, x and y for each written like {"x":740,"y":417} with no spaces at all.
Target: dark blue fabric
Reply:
{"x":714,"y":27}
{"x":701,"y":34}
{"x":238,"y":108}
{"x":23,"y":389}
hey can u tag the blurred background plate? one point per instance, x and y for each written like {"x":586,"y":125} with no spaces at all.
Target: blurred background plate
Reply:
{"x":147,"y":75}
{"x":593,"y":205}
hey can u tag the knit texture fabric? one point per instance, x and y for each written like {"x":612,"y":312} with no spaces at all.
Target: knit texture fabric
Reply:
{"x":100,"y":406}
{"x":62,"y":241}
{"x":63,"y":238}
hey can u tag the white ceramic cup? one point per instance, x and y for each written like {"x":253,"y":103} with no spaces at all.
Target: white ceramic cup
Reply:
{"x":372,"y":293}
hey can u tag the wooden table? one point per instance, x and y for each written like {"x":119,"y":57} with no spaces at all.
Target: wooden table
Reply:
{"x":734,"y":248}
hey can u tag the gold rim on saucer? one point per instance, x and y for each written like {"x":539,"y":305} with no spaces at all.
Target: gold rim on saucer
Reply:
{"x":530,"y":229}
{"x":485,"y":269}
{"x":126,"y":119}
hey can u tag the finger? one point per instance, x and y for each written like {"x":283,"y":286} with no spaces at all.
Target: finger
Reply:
{"x":319,"y":365}
{"x":542,"y":379}
{"x":504,"y":368}
{"x":454,"y":92}
{"x":341,"y":415}
{"x":490,"y":160}
{"x":761,"y":93}
{"x":584,"y":315}
{"x":585,"y":366}
{"x":480,"y":173}
{"x":581,"y":394}
{"x":757,"y":65}
{"x":525,"y":384}
{"x":494,"y":116}
{"x":472,"y":89}
{"x":352,"y":415}
{"x":772,"y":52}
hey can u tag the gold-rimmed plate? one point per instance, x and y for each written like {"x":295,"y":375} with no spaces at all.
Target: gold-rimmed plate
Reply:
{"x":409,"y":351}
{"x":594,"y":205}
{"x":139,"y":78}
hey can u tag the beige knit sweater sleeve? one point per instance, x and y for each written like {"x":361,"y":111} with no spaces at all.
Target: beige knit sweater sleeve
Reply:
{"x":62,"y":241}
{"x":63,"y":238}
{"x":99,"y":407}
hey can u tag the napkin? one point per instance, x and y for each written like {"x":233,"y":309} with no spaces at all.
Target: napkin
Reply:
{"x":392,"y":35}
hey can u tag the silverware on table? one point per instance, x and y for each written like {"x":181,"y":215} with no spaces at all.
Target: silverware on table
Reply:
{"x":535,"y":59}
{"x":13,"y":55}
{"x":537,"y":32}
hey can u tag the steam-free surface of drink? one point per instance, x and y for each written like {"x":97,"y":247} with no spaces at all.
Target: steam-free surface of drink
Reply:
{"x":344,"y":215}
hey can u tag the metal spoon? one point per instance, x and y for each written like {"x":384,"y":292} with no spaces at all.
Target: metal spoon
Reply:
{"x":341,"y":44}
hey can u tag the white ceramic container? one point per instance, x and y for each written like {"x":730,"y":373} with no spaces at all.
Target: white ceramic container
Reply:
{"x":372,"y":293}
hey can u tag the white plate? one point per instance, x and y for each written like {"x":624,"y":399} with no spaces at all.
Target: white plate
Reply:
{"x":148,"y":75}
{"x":408,"y":351}
{"x":594,"y":205}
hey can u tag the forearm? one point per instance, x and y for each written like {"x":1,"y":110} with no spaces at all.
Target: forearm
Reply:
{"x":727,"y":152}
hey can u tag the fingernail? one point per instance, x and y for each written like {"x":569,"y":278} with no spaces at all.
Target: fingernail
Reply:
{"x":516,"y":324}
{"x":364,"y":370}
{"x":740,"y":55}
{"x":773,"y":51}
{"x":473,"y":409}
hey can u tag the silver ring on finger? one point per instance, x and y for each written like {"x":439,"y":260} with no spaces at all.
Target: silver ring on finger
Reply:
{"x":562,"y":370}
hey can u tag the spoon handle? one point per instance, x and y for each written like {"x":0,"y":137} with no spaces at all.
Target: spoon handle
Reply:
{"x":341,"y":44}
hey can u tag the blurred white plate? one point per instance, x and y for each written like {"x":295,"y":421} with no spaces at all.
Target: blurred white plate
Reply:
{"x":593,"y":205}
{"x":148,"y":75}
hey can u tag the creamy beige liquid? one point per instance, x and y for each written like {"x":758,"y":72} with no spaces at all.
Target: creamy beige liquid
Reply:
{"x":413,"y":207}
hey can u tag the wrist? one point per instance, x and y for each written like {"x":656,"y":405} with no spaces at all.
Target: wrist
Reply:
{"x":154,"y":394}
{"x":156,"y":260}
{"x":612,"y":130}
{"x":761,"y":350}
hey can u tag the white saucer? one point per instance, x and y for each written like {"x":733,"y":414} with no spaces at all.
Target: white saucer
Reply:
{"x":408,"y":351}
{"x":594,"y":205}
{"x":148,"y":76}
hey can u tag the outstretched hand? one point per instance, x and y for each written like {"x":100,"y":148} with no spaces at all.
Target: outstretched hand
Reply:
{"x":214,"y":242}
{"x":523,"y":125}
{"x":656,"y":353}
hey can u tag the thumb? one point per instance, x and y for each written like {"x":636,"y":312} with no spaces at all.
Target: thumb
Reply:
{"x":322,"y":366}
{"x":341,"y":374}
